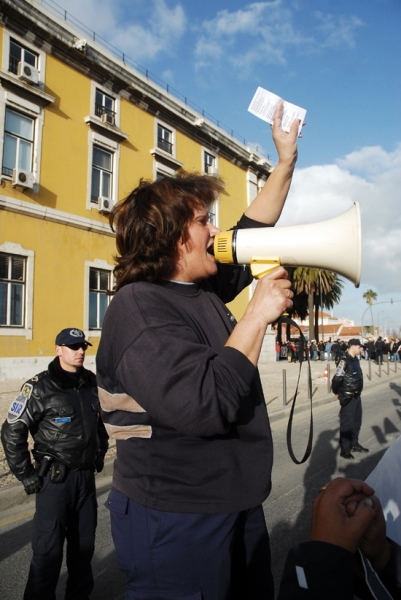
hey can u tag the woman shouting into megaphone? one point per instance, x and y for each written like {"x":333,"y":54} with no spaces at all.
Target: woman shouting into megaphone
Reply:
{"x":181,"y":393}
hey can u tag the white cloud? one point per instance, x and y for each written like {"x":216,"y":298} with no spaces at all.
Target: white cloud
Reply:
{"x":339,"y":31}
{"x":266,"y":27}
{"x":372,"y":177}
{"x":266,"y":31}
{"x":141,"y":40}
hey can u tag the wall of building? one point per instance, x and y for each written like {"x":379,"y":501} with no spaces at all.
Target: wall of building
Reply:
{"x":55,"y":226}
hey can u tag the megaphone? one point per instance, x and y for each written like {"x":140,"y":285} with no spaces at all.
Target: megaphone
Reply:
{"x":332,"y":245}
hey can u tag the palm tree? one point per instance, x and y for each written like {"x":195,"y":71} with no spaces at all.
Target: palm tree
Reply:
{"x":320,"y":288}
{"x":370,"y":296}
{"x":300,"y":305}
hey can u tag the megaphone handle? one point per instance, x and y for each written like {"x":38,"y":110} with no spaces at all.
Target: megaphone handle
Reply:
{"x":261,"y":265}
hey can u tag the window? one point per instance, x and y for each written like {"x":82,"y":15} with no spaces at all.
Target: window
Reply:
{"x":160,"y":175}
{"x":19,"y":53}
{"x":164,"y":152}
{"x":104,"y":105}
{"x":164,"y":139}
{"x":103,"y":161}
{"x":102,"y":174}
{"x":209,"y":163}
{"x":99,"y":283}
{"x":18,"y":142}
{"x":213,"y":214}
{"x":12,"y":290}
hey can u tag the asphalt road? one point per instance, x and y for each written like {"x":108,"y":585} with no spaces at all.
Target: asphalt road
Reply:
{"x":287,"y":509}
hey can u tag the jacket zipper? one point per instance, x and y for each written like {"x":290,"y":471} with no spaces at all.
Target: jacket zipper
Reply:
{"x":83,"y":425}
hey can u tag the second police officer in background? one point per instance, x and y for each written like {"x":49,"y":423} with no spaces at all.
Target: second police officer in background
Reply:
{"x":347,"y":384}
{"x":60,"y":408}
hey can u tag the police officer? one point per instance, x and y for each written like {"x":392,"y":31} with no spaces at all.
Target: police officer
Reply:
{"x":60,"y":408}
{"x":347,"y":384}
{"x":336,"y":351}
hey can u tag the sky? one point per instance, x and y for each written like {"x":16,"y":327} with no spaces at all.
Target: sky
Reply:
{"x":341,"y":61}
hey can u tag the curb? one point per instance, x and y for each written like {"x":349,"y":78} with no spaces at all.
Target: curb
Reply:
{"x":14,"y":495}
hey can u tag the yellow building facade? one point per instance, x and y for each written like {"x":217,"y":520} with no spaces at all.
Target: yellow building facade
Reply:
{"x":79,"y":128}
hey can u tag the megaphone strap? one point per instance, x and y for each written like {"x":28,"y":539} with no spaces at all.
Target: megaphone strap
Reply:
{"x":308,"y":450}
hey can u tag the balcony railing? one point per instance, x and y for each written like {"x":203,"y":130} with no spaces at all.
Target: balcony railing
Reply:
{"x":102,"y":110}
{"x":164,"y":145}
{"x":13,"y":65}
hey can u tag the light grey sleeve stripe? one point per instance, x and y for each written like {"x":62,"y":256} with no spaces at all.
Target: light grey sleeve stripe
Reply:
{"x":111,"y":402}
{"x":301,"y":578}
{"x":124,"y":433}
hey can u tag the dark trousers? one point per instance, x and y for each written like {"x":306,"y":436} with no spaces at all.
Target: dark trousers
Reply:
{"x":350,"y":423}
{"x":180,"y":556}
{"x":65,"y":510}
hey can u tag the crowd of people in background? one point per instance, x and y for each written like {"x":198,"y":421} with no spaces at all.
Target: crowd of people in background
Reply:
{"x":379,"y":350}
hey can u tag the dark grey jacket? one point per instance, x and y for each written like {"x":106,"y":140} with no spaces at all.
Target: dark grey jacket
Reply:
{"x":348,"y":378}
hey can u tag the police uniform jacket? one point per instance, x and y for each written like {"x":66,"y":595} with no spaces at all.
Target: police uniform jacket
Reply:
{"x":62,"y":413}
{"x":348,"y":379}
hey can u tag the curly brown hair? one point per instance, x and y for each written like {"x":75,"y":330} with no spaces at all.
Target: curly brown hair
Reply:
{"x":151,"y":222}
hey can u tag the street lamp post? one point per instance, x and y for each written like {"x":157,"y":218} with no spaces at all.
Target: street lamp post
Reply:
{"x":370,"y":308}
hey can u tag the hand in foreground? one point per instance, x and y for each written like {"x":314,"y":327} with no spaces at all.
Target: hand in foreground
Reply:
{"x":336,"y":524}
{"x":374,"y":543}
{"x":32,"y":484}
{"x":272,"y":296}
{"x":285,"y":142}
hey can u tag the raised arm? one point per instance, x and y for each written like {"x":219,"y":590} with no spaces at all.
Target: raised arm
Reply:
{"x":269,"y":203}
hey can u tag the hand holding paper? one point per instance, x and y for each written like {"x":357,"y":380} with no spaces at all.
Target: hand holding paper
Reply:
{"x":264,"y":104}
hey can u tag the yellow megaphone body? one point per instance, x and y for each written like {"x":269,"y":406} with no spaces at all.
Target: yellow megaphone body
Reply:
{"x":332,"y":245}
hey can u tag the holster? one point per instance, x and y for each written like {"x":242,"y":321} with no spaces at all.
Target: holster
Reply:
{"x":344,"y":400}
{"x":58,"y":472}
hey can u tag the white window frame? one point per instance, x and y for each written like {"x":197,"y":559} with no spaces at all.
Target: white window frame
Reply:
{"x":27,"y":109}
{"x":103,"y":172}
{"x":19,"y":139}
{"x":104,"y":266}
{"x":215,"y":211}
{"x":109,"y":145}
{"x":41,"y":66}
{"x":173,"y":138}
{"x":251,"y":186}
{"x":161,"y":169}
{"x":254,"y":185}
{"x":29,"y":255}
{"x":213,"y":155}
{"x":215,"y":208}
{"x":104,"y":90}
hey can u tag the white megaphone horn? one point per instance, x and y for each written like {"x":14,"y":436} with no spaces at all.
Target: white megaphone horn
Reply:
{"x":332,"y":245}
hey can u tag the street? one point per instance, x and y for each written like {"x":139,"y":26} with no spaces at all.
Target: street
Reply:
{"x":287,"y":509}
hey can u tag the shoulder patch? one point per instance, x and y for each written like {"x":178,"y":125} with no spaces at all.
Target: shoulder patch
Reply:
{"x":340,"y":368}
{"x":18,"y":405}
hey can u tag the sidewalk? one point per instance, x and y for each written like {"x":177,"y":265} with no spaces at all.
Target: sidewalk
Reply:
{"x":12,"y":492}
